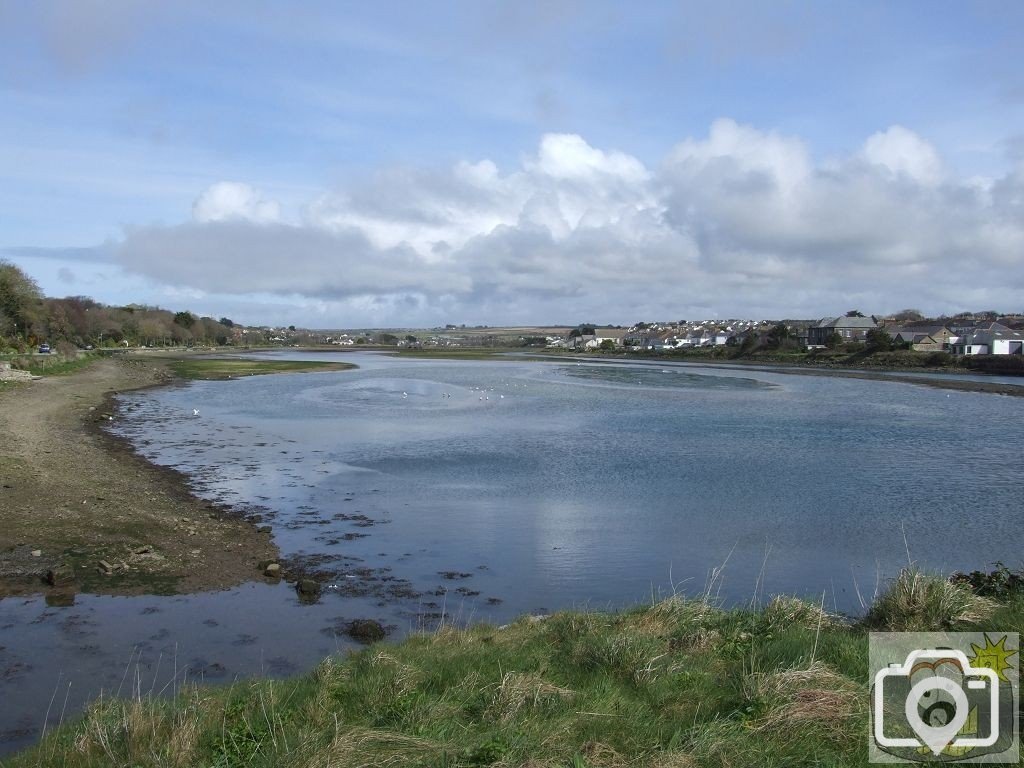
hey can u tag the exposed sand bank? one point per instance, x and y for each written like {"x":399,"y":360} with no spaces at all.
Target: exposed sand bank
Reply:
{"x":76,"y":495}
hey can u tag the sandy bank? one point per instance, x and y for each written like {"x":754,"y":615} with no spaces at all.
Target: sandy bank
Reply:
{"x":72,"y":494}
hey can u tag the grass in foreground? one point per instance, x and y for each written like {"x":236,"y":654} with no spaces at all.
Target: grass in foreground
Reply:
{"x":223,"y":368}
{"x":677,"y":684}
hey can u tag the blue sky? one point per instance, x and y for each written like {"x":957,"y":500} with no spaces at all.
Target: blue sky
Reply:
{"x":397,"y":164}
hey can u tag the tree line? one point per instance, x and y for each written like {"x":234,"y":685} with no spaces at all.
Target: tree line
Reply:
{"x":28,"y":318}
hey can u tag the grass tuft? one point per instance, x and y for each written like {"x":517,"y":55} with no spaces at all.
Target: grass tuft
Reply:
{"x":525,"y":690}
{"x":920,"y":602}
{"x":813,"y":701}
{"x":786,"y":611}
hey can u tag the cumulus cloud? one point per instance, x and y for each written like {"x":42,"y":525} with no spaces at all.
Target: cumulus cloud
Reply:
{"x":904,"y":152}
{"x":229,"y":200}
{"x":738,"y":222}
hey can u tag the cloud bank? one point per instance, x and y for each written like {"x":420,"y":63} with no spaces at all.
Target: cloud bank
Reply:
{"x":741,"y":222}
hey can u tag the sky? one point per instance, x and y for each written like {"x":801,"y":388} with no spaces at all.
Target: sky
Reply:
{"x":408,"y":164}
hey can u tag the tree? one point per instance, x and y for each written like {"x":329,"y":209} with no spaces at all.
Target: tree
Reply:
{"x":152,"y":330}
{"x":908,"y":315}
{"x":20,"y":300}
{"x":184,"y":319}
{"x":834,"y":340}
{"x":878,"y":340}
{"x":388,"y":338}
{"x":749,"y":343}
{"x":778,"y":335}
{"x":180,"y":334}
{"x":607,"y":345}
{"x":855,"y":313}
{"x":60,"y":324}
{"x":227,"y":323}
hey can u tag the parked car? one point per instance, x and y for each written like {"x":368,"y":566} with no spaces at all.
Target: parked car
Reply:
{"x":44,"y":349}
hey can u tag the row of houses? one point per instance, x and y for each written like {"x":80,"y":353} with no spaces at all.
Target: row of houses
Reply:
{"x":660,"y":336}
{"x":652,"y":338}
{"x":708,"y":337}
{"x":963,"y":337}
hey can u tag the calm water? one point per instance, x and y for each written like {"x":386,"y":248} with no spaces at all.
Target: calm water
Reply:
{"x":538,"y":486}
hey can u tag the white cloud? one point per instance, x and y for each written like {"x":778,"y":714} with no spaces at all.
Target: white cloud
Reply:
{"x":568,"y":156}
{"x":740,"y":222}
{"x":904,"y":152}
{"x":230,"y":200}
{"x":742,"y":149}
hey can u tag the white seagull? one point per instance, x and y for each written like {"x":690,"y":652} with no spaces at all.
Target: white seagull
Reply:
{"x":195,"y":411}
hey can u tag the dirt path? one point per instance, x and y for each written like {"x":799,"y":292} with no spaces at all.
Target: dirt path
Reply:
{"x":76,"y":496}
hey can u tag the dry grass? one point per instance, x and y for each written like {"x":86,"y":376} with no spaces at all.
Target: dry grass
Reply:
{"x":919,"y":602}
{"x":519,"y":690}
{"x":144,"y":730}
{"x":674,"y":760}
{"x":600,"y":755}
{"x":813,"y":699}
{"x":673,"y":614}
{"x":698,"y":641}
{"x":786,"y":611}
{"x":366,"y":747}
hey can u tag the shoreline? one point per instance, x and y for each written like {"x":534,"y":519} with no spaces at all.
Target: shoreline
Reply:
{"x":76,"y":497}
{"x":178,"y":543}
{"x":897,"y":375}
{"x":918,"y":376}
{"x":675,"y":683}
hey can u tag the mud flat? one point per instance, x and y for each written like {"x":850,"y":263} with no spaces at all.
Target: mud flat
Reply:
{"x":78,"y":505}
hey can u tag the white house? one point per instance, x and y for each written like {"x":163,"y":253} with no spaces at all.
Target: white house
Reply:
{"x":997,"y":340}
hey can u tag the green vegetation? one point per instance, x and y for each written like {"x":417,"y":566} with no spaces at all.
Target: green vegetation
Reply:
{"x":53,"y":365}
{"x":679,"y":683}
{"x":225,"y":368}
{"x":916,"y":602}
{"x":27,"y":318}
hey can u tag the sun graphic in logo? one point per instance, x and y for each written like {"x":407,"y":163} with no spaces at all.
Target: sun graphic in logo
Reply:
{"x":994,"y":656}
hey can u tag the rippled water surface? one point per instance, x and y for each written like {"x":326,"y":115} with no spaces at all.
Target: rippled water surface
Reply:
{"x":480,"y":490}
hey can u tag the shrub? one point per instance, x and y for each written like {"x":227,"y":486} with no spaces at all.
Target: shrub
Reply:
{"x":1000,"y":583}
{"x":939,"y":359}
